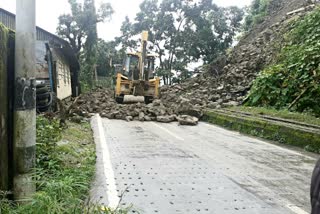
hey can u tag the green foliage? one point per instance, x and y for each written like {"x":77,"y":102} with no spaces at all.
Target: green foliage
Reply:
{"x":77,"y":26}
{"x":283,"y":113}
{"x":256,"y":13}
{"x":295,"y":77}
{"x":80,"y":29}
{"x":48,"y":133}
{"x":182,"y":32}
{"x":266,"y":129}
{"x":108,"y":55}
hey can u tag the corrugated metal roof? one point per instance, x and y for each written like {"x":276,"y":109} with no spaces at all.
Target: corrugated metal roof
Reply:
{"x":9,"y":20}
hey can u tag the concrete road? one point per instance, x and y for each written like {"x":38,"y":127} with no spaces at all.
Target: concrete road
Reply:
{"x":166,"y":168}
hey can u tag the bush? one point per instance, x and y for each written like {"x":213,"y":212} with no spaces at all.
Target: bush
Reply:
{"x":63,"y":173}
{"x":293,"y":81}
{"x":48,"y":134}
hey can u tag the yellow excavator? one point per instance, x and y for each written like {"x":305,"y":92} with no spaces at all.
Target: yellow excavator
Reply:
{"x":137,"y":76}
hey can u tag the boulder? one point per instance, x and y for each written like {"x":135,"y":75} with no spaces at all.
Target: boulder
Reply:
{"x":141,"y":116}
{"x":129,"y":118}
{"x":166,"y":119}
{"x":187,"y":108}
{"x":147,"y":118}
{"x":156,"y":102}
{"x":186,"y":120}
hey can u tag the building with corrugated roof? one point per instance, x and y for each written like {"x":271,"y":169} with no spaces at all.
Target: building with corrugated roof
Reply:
{"x":54,"y":55}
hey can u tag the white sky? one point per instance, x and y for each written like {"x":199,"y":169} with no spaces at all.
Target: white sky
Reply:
{"x":48,"y":12}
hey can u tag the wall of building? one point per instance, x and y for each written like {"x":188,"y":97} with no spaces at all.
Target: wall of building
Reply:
{"x":63,"y":58}
{"x":63,"y":80}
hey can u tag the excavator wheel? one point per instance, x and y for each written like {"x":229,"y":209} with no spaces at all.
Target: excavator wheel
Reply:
{"x":119,"y":99}
{"x":148,"y":99}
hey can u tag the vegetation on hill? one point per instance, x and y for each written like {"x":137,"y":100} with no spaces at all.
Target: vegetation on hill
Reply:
{"x":293,"y":81}
{"x":256,"y":13}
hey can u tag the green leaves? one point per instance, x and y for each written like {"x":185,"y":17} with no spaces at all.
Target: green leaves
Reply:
{"x":256,"y":13}
{"x":48,"y":133}
{"x":182,"y":32}
{"x":80,"y":29}
{"x":294,"y":81}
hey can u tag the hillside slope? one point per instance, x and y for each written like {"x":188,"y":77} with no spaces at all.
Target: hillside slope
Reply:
{"x":224,"y":83}
{"x":227,"y":82}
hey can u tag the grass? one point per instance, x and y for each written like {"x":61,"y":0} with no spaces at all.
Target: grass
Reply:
{"x":284,"y":114}
{"x":309,"y":141}
{"x":64,"y":172}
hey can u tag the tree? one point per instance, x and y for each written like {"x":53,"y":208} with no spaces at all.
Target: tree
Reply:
{"x":184,"y":31}
{"x":215,"y":29}
{"x":80,"y":29}
{"x":90,"y":46}
{"x":107,"y":55}
{"x":76,"y":27}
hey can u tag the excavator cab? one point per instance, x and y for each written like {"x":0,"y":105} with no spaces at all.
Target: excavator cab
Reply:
{"x":132,"y":67}
{"x":137,"y":78}
{"x":150,"y":69}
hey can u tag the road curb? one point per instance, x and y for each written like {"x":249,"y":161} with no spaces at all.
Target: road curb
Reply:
{"x":284,"y":132}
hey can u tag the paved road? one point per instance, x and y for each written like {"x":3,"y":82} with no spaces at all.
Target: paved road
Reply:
{"x":166,"y":168}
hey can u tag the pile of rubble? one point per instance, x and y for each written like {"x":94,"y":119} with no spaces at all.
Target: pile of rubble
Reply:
{"x":101,"y":101}
{"x":224,"y":84}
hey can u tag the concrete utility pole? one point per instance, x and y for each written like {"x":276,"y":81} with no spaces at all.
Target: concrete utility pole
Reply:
{"x":25,"y":101}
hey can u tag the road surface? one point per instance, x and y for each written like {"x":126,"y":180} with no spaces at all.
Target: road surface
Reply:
{"x":166,"y":168}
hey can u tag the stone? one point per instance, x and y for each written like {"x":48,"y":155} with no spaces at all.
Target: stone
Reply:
{"x":156,"y":102}
{"x":212,"y":105}
{"x":129,"y":118}
{"x":214,"y":97}
{"x":141,"y":116}
{"x":230,"y":104}
{"x":219,"y":101}
{"x":186,"y":120}
{"x":186,"y":108}
{"x":165,"y":119}
{"x":147,"y":118}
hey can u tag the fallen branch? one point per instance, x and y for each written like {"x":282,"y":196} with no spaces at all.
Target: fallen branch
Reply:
{"x":298,"y":98}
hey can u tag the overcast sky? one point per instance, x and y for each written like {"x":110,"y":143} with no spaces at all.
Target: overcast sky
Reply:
{"x":49,"y":10}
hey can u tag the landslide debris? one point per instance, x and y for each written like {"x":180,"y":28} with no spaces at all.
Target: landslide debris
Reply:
{"x":224,"y":83}
{"x":227,"y":81}
{"x":102,"y":101}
